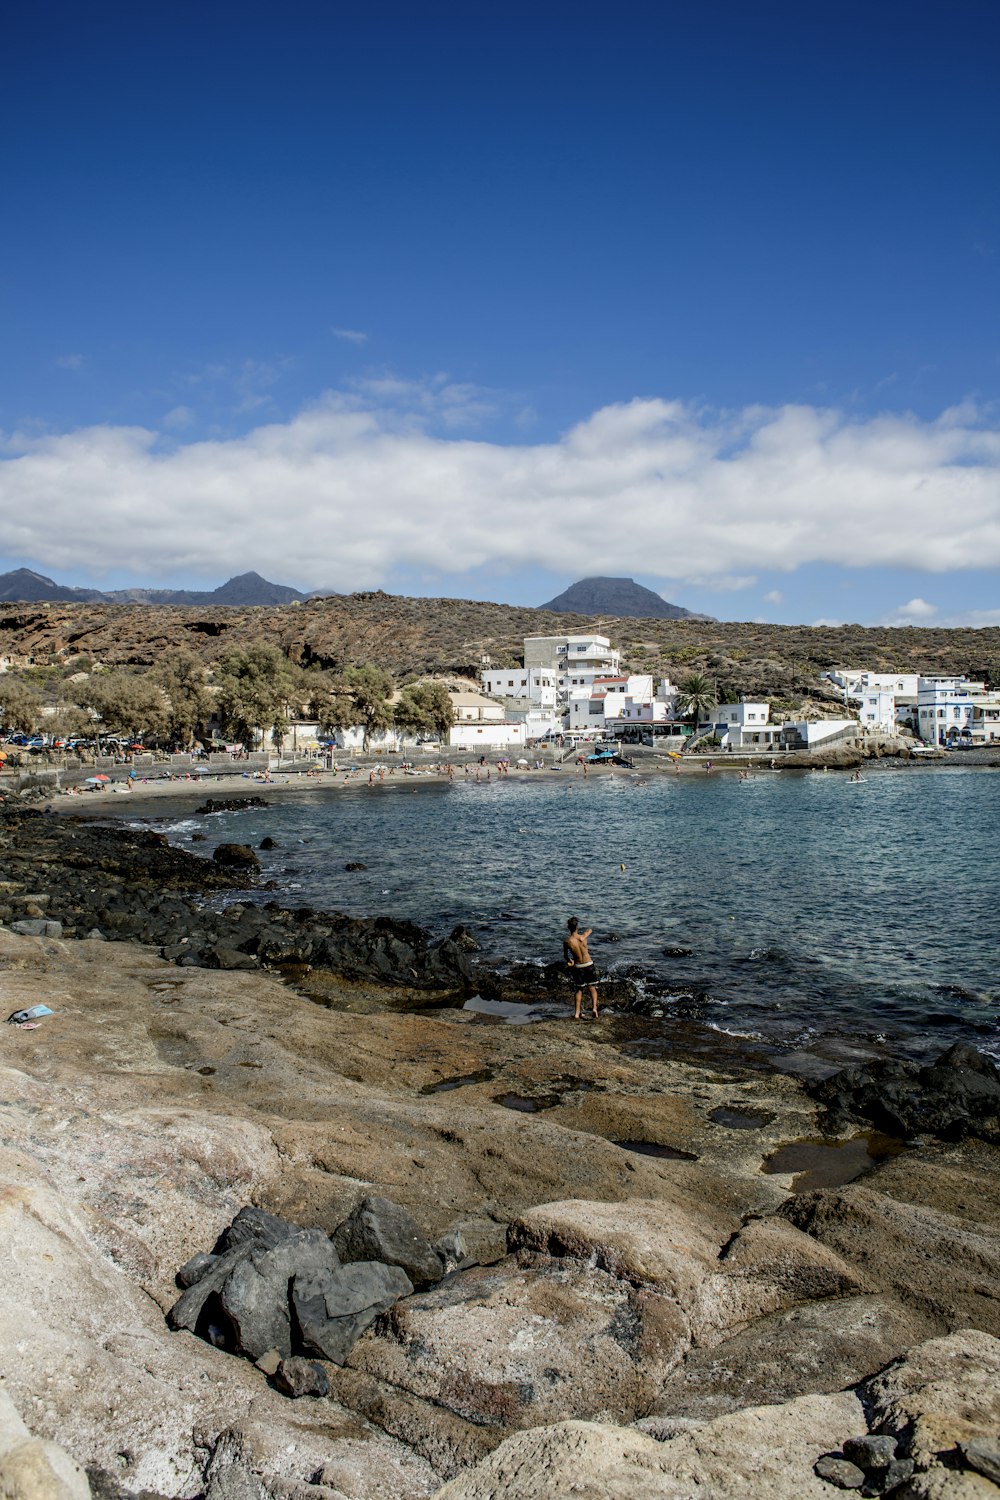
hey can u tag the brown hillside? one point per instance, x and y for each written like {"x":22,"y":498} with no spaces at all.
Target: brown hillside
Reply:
{"x":411,"y":636}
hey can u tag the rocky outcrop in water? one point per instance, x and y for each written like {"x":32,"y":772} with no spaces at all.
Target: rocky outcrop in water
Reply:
{"x":956,"y":1096}
{"x":134,"y":885}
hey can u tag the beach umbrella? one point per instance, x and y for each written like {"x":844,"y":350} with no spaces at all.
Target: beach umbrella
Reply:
{"x":98,"y":778}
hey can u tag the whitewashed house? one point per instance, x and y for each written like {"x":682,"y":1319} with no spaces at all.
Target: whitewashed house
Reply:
{"x":481,"y":725}
{"x":742,"y":724}
{"x":813,"y":734}
{"x":986,"y":719}
{"x":535,"y":685}
{"x":877,"y":710}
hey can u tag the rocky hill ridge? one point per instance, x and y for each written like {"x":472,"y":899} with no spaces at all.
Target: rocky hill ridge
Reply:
{"x":413,"y":637}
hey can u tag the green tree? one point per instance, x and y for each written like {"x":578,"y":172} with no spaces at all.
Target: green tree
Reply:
{"x":20,"y":708}
{"x":425,"y":707}
{"x":125,"y":703}
{"x":327,"y":701}
{"x":189,"y":701}
{"x":71,"y":722}
{"x":255,"y":688}
{"x":697,"y":696}
{"x":369,"y":689}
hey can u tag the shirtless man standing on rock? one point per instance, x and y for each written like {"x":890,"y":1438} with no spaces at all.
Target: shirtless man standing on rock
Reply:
{"x":583,"y":970}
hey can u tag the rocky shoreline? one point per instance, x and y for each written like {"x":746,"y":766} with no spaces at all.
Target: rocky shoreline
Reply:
{"x":627,"y":1289}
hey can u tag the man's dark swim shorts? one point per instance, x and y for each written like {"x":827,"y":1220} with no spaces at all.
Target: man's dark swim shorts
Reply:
{"x":582,"y":974}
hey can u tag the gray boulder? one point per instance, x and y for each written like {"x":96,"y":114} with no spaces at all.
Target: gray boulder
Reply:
{"x":301,"y":1377}
{"x":257,"y":1227}
{"x":334,"y":1309}
{"x":838,"y":1471}
{"x":255,"y":1294}
{"x":380,"y":1230}
{"x":236,"y":857}
{"x":37,"y":927}
{"x":195,"y":1268}
{"x":188,"y":1308}
{"x":870,"y":1451}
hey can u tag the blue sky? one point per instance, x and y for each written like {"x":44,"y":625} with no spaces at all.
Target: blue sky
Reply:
{"x":480,"y":299}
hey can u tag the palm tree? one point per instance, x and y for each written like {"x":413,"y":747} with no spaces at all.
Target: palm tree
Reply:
{"x":697,"y":696}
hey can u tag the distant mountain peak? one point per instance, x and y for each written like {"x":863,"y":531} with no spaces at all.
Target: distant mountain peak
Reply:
{"x":22,"y":585}
{"x":621,"y":598}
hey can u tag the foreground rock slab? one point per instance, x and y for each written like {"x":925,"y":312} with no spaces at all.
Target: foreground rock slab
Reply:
{"x":764,"y":1451}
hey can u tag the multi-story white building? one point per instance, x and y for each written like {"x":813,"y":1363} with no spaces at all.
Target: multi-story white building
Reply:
{"x":743,"y":715}
{"x":877,"y":710}
{"x":956,"y":708}
{"x":535,"y":685}
{"x":986,"y":719}
{"x":857,"y":680}
{"x":616,"y":704}
{"x":576,"y":660}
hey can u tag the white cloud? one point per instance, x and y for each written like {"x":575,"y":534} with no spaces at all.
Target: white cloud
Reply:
{"x":350,"y":335}
{"x":375,"y":477}
{"x":774,"y":597}
{"x":179,"y":417}
{"x":917,"y":609}
{"x":69,"y":361}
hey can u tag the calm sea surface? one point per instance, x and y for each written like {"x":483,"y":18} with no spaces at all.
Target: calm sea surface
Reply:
{"x":821,"y":915}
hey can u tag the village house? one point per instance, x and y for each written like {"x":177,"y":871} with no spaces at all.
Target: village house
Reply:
{"x":481,"y":724}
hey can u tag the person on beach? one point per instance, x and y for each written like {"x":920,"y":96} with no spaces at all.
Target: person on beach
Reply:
{"x":582,"y":969}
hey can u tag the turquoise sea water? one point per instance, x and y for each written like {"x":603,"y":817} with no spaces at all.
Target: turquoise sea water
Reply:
{"x":821,"y":914}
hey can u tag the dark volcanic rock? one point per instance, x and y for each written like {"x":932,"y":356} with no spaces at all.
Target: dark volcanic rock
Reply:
{"x":231,"y":804}
{"x":236,"y":857}
{"x":956,"y":1096}
{"x":301,"y":1377}
{"x":355,"y":864}
{"x":870,"y":1452}
{"x":838,"y":1471}
{"x":273,"y":1290}
{"x":379,"y":1229}
{"x":193,"y":1270}
{"x":255,"y":1295}
{"x":255,"y":1226}
{"x":133,"y":885}
{"x":333,"y":1311}
{"x":187,"y":1311}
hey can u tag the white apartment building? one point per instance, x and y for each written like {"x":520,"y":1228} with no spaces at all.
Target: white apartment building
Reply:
{"x":535,"y":685}
{"x":743,"y":724}
{"x":854,"y":681}
{"x":877,"y":710}
{"x":615,"y":704}
{"x":743,"y":714}
{"x":956,"y":708}
{"x":577,"y":660}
